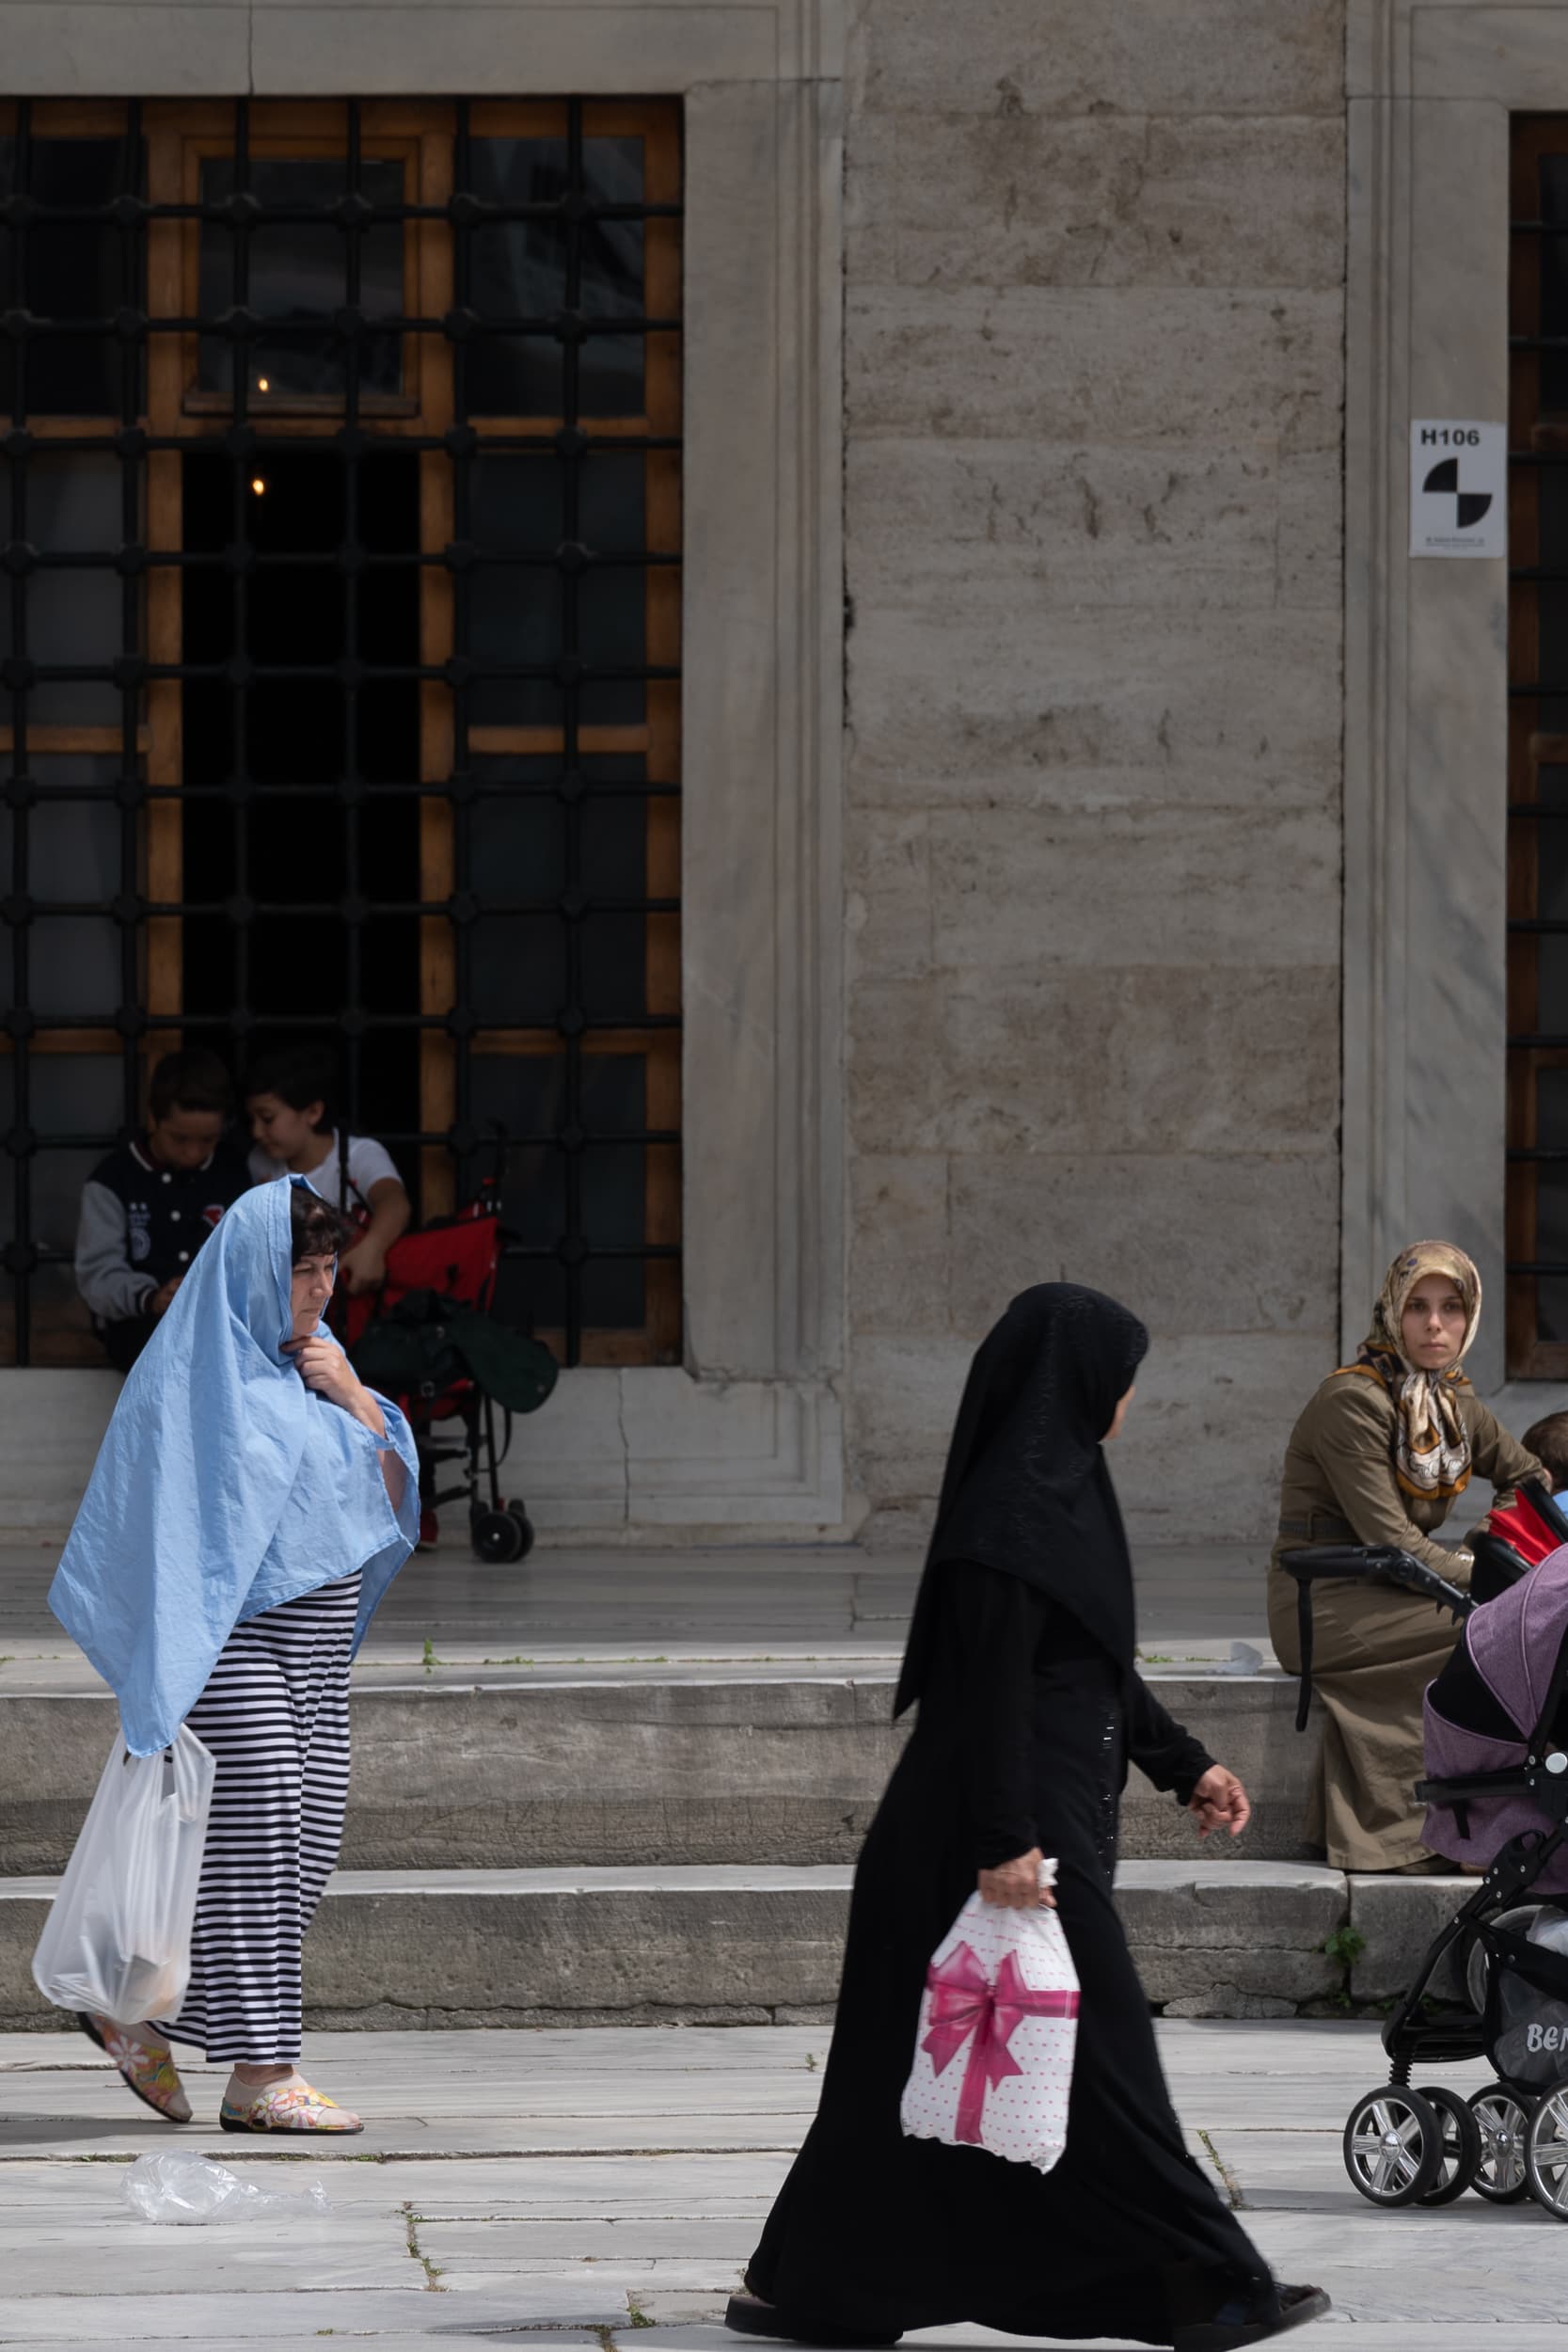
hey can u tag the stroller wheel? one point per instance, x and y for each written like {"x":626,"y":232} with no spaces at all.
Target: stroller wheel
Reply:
{"x":1461,"y":2145}
{"x":515,"y":1511}
{"x":1393,"y":2146}
{"x":1546,"y":2151}
{"x":496,"y":1536}
{"x":1502,"y":2121}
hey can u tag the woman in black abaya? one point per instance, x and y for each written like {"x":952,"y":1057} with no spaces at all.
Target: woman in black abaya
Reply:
{"x":1021,"y":1657}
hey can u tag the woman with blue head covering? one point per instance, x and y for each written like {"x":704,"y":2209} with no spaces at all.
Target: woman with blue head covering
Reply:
{"x":251,"y":1506}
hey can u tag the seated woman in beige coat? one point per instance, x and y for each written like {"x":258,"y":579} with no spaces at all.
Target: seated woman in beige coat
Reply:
{"x":1379,"y":1456}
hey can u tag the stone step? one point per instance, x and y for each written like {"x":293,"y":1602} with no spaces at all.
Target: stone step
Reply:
{"x":747,"y":1944}
{"x":500,"y":1773}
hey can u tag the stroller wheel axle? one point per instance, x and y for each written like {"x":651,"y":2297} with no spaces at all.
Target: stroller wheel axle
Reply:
{"x":500,"y":1536}
{"x":1502,"y":2121}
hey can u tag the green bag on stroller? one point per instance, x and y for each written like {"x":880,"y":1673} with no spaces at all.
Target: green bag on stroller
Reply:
{"x":426,"y":1343}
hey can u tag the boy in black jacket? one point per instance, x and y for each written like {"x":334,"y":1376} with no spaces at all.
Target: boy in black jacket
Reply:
{"x":148,"y":1208}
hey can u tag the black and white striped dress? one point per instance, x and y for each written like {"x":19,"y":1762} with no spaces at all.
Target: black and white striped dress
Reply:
{"x":275,"y":1714}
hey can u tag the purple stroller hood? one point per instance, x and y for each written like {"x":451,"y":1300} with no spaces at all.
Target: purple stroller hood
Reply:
{"x":1513,"y":1643}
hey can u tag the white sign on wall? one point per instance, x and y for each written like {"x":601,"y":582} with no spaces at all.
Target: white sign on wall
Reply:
{"x":1458,"y":487}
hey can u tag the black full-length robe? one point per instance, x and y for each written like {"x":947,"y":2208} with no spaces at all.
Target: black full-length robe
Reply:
{"x":1025,"y":1728}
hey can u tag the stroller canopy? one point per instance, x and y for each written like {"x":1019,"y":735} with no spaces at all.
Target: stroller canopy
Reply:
{"x":1515,"y":1641}
{"x":1481,"y":1713}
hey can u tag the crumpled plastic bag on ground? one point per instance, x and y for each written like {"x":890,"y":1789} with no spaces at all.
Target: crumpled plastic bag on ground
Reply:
{"x":182,"y":2186}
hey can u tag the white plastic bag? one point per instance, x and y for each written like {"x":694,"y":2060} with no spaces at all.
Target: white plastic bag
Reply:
{"x":118,"y":1938}
{"x":998,"y":2020}
{"x":181,"y":2187}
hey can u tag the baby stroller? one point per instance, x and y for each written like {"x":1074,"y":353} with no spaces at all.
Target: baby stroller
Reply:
{"x":428,"y":1341}
{"x":1498,"y":1798}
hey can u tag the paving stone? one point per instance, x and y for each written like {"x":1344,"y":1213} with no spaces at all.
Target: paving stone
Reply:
{"x":270,"y":2318}
{"x":304,"y":2253}
{"x":573,"y":2244}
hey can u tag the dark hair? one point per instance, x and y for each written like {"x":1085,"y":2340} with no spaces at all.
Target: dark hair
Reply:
{"x":318,"y":1232}
{"x":1548,"y":1442}
{"x":298,"y":1076}
{"x":193,"y":1081}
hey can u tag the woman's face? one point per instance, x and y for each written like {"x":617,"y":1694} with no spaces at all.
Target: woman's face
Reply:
{"x":1118,"y":1416}
{"x":1431,"y":1328}
{"x":309,"y":1292}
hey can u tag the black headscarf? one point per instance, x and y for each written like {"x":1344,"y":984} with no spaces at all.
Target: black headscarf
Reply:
{"x":1026,"y":1488}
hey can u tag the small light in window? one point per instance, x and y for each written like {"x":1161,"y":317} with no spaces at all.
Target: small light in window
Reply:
{"x":257,"y":486}
{"x":262,"y":385}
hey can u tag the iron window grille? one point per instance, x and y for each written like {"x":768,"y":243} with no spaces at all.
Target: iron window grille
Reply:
{"x":340,"y":622}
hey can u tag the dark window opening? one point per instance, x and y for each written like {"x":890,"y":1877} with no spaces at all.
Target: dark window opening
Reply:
{"x":339,"y":659}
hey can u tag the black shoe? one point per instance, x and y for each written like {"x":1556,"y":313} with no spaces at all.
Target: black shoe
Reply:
{"x":1238,"y":2323}
{"x":749,"y":2315}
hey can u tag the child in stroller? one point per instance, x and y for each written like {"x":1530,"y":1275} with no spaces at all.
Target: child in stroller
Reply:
{"x":1515,"y":1523}
{"x":1497,"y":1748}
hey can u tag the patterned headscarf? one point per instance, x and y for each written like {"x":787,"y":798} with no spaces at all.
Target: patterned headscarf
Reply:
{"x":1431,"y":1446}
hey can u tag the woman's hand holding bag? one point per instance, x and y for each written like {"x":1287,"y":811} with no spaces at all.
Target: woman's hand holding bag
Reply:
{"x":1018,"y":1886}
{"x":998,"y":2020}
{"x":118,"y":1938}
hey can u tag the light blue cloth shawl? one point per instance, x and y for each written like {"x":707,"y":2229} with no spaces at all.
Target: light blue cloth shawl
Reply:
{"x":224,"y":1484}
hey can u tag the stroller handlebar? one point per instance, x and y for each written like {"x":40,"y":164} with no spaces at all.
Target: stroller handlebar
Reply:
{"x":1381,"y":1563}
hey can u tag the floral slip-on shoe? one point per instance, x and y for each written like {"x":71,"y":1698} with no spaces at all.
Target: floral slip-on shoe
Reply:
{"x":145,"y":2061}
{"x":287,"y":2108}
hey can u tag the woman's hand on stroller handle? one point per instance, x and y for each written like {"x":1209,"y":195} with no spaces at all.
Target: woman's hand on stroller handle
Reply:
{"x":1219,"y":1802}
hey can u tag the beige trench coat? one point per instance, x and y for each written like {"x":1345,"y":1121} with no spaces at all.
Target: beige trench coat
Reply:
{"x":1374,"y":1649}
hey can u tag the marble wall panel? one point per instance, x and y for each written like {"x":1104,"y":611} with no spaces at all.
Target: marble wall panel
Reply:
{"x":1032,"y":199}
{"x":899,"y":1246}
{"x":1200,"y":1456}
{"x":1013,"y":888}
{"x":1094,"y":329}
{"x":906,"y":1389}
{"x":1310,"y":536}
{"x":303,"y":47}
{"x":888,"y":902}
{"x":899,"y":1068}
{"x":992,"y":700}
{"x":1067,"y":525}
{"x":1248,"y":57}
{"x":1105,"y":363}
{"x":1232,"y":1242}
{"x":177,"y":50}
{"x":1148,"y":1059}
{"x":1205,"y":1441}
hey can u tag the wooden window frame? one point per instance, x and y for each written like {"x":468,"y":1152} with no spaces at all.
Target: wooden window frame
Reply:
{"x":178,"y":136}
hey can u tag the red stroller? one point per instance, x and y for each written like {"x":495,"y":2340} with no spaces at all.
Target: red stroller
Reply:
{"x":458,"y":1262}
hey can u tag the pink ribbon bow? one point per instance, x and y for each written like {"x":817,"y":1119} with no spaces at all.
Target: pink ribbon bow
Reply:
{"x":964,"y":2002}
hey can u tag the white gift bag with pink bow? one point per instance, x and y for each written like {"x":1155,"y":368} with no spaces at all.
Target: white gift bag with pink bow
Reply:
{"x":993,"y":2049}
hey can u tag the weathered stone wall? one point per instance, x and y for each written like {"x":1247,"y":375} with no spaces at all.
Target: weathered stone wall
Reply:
{"x":1094,"y":313}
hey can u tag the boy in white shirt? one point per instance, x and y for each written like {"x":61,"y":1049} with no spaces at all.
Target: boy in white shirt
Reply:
{"x":288,"y":1096}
